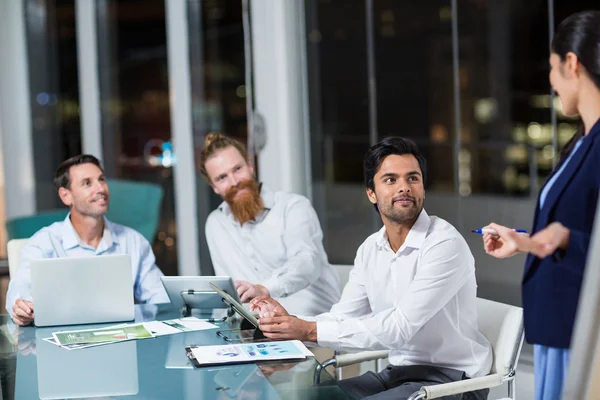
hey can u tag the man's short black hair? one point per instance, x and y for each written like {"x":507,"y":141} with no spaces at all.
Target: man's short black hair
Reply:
{"x":389,"y":146}
{"x":63,"y":178}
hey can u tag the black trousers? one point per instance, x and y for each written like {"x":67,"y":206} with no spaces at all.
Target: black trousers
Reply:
{"x":399,"y":382}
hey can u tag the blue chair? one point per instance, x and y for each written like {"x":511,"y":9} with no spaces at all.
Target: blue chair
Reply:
{"x":25,"y":227}
{"x":133,"y":204}
{"x":136,"y":205}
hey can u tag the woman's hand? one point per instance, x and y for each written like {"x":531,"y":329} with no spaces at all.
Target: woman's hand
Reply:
{"x":545,"y":242}
{"x":503,"y":245}
{"x":542,"y":244}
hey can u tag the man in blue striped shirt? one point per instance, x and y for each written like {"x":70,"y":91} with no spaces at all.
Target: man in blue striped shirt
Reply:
{"x":85,"y":232}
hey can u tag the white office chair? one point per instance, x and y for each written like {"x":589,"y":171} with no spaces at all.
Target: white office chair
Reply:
{"x":343,"y":271}
{"x":13,"y":248}
{"x":500,"y":323}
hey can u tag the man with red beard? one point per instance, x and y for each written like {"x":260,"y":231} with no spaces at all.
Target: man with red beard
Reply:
{"x":269,"y":242}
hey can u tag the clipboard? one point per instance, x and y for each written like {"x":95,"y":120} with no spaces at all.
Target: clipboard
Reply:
{"x":243,"y":353}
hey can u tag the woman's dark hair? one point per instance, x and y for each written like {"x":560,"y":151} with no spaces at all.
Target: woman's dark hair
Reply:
{"x":389,"y":146}
{"x":580,"y":34}
{"x":62,"y":178}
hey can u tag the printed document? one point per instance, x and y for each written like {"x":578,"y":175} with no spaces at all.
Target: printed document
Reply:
{"x":247,"y":352}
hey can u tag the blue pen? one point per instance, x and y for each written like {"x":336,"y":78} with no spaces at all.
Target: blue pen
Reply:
{"x":481,"y":231}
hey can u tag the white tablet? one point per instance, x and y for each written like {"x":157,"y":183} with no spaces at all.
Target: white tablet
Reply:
{"x":195,"y":291}
{"x":235,"y":303}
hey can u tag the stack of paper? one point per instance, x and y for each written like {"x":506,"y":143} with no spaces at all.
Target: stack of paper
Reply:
{"x":79,"y":339}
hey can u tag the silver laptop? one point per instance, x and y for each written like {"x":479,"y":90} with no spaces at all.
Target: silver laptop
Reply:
{"x":82,"y":290}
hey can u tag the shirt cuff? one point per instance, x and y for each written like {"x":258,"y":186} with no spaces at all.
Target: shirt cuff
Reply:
{"x":274,"y":287}
{"x":328,"y":334}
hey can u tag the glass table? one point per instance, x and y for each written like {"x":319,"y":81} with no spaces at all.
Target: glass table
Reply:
{"x":154,"y":368}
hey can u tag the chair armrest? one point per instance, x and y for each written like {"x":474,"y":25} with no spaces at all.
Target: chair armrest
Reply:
{"x":467,"y":385}
{"x":355,"y":358}
{"x":348,"y":359}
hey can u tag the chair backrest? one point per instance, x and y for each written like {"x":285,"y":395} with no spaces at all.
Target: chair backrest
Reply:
{"x":136,"y":205}
{"x":502,"y":325}
{"x":344,"y":273}
{"x":25,"y":227}
{"x":13,"y":248}
{"x":133,"y":204}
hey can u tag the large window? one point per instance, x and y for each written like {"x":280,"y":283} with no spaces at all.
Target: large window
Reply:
{"x":135,"y":111}
{"x":218,"y":90}
{"x":135,"y":99}
{"x":154,"y":77}
{"x":498,"y":137}
{"x":54,"y":91}
{"x":466,"y":80}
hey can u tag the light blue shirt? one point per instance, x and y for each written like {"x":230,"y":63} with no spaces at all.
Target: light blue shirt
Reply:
{"x":555,"y":177}
{"x":61,"y":240}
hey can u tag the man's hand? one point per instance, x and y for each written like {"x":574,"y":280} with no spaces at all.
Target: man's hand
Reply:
{"x":267,"y":307}
{"x":22,"y":312}
{"x":248,"y":291}
{"x":288,"y":328}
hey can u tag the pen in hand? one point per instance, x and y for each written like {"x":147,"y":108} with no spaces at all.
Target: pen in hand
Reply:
{"x":481,"y":231}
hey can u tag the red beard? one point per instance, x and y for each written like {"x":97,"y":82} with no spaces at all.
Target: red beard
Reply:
{"x":248,"y":204}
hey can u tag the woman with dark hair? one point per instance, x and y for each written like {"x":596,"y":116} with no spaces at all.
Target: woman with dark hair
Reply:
{"x":558,"y":246}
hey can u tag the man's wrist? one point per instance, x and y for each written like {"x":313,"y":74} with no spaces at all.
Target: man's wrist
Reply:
{"x":311,"y":332}
{"x":263,"y":289}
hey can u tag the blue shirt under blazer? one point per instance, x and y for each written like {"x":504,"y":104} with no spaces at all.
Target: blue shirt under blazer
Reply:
{"x":551,"y":286}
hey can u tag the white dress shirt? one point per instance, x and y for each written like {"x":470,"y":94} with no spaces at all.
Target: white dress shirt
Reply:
{"x":281,"y":250}
{"x":419,"y":302}
{"x":61,"y":240}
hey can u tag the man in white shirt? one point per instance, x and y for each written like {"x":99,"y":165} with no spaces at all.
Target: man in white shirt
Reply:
{"x":85,"y":232}
{"x":412,"y":290}
{"x":269,"y":242}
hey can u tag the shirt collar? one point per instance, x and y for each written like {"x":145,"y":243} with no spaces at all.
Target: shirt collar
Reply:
{"x":267,"y":196}
{"x":415,"y":238}
{"x":70,"y":238}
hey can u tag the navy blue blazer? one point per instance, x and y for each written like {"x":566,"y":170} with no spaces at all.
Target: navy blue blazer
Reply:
{"x":551,"y":286}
